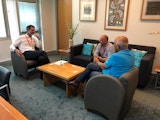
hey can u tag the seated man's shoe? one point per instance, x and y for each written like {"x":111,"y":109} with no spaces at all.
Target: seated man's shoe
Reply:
{"x":74,"y":83}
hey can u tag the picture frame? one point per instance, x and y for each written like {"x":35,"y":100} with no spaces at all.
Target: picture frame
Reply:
{"x":150,"y":10}
{"x":87,"y":10}
{"x":116,"y":14}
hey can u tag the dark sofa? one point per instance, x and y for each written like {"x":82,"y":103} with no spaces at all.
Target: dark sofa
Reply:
{"x":145,"y":68}
{"x":75,"y":54}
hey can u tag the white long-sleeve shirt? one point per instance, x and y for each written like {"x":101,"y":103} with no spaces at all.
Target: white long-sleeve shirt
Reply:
{"x":23,"y":44}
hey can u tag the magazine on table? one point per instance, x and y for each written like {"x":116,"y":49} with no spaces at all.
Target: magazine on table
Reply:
{"x":60,"y":62}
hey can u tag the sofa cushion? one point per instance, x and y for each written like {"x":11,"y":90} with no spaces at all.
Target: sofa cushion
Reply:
{"x":82,"y":60}
{"x":87,"y":49}
{"x":94,"y":47}
{"x":139,"y":54}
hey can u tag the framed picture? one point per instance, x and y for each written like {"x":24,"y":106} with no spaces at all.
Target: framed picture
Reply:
{"x":87,"y":10}
{"x":150,"y":10}
{"x":116,"y":14}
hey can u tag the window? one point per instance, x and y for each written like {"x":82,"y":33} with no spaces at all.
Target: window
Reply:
{"x":14,"y":19}
{"x":3,"y":32}
{"x":28,"y":14}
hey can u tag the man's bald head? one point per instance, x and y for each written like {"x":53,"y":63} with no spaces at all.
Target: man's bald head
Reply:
{"x":121,"y":43}
{"x":103,"y":39}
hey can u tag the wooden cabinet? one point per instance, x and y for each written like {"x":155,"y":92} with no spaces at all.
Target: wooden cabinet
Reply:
{"x":64,"y":17}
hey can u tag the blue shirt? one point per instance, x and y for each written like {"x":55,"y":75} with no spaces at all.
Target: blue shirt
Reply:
{"x":119,"y":63}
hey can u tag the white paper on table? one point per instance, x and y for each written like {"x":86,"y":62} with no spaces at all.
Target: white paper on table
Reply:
{"x":60,"y":62}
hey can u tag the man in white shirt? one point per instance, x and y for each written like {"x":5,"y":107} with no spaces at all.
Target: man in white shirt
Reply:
{"x":26,"y":44}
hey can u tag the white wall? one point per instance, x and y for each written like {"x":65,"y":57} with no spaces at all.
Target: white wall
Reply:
{"x":137,"y":30}
{"x":49,"y":24}
{"x":4,"y":50}
{"x":49,"y":30}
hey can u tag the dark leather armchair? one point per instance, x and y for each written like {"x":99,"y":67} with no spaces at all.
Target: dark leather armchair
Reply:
{"x":109,"y":96}
{"x":4,"y":83}
{"x":75,"y":54}
{"x":21,"y":65}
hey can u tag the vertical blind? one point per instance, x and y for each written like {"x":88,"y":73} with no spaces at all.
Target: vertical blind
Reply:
{"x":12,"y":19}
{"x":28,"y":15}
{"x":2,"y":23}
{"x":9,"y":21}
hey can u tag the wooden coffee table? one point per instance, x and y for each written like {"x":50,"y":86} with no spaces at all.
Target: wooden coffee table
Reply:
{"x":8,"y":112}
{"x":65,"y":72}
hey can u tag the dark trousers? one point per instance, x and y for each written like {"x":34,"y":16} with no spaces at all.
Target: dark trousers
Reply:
{"x":91,"y":68}
{"x":40,"y":56}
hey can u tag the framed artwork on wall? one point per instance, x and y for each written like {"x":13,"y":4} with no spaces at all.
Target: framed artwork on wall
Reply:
{"x":116,"y":14}
{"x":87,"y":10}
{"x":150,"y":10}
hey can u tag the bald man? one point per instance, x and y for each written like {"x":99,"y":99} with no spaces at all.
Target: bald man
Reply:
{"x":117,"y":64}
{"x":103,"y":50}
{"x":120,"y":62}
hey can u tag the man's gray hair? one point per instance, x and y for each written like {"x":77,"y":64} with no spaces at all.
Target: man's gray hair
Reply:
{"x":122,"y":45}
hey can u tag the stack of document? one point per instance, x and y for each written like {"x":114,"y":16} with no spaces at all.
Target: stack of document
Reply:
{"x":60,"y":62}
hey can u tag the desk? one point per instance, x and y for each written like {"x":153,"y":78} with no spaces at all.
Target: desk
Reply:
{"x":64,"y":52}
{"x":157,"y":82}
{"x":8,"y":112}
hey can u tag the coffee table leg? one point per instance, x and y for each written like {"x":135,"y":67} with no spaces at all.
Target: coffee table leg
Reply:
{"x":69,"y":90}
{"x":49,"y":79}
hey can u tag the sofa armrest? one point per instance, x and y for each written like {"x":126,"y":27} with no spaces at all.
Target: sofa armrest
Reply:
{"x":19,"y":62}
{"x":130,"y":81}
{"x":101,"y":95}
{"x":145,"y":70}
{"x":146,"y":63}
{"x":75,"y":50}
{"x":147,"y":57}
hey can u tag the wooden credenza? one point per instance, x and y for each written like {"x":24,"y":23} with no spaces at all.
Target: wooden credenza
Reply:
{"x":8,"y":112}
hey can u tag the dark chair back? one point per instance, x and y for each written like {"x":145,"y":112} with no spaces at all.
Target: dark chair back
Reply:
{"x":85,"y":41}
{"x":109,"y":96}
{"x":149,"y":49}
{"x":4,"y":80}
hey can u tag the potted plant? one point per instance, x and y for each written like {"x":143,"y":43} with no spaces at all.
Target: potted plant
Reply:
{"x":72,"y":30}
